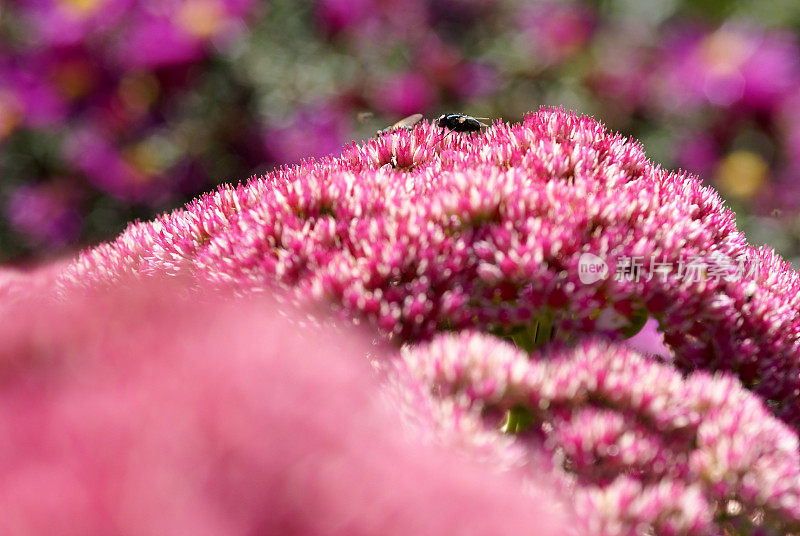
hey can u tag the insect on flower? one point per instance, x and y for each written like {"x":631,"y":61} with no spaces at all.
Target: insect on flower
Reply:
{"x":460,"y":123}
{"x":406,"y":123}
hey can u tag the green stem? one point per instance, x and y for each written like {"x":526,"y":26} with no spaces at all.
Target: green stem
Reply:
{"x":539,"y":332}
{"x":518,"y":420}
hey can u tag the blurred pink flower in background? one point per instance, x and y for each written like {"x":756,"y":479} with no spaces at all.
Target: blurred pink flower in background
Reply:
{"x":179,"y":32}
{"x":557,"y":30}
{"x":46,"y":214}
{"x":311,"y":132}
{"x":156,"y":42}
{"x":146,"y":33}
{"x":789,"y":125}
{"x":93,"y":154}
{"x":475,"y":80}
{"x":100,"y":85}
{"x":781,"y":197}
{"x":404,"y":94}
{"x":697,"y":152}
{"x":453,"y":75}
{"x":623,"y":78}
{"x":27,"y":97}
{"x":732,"y":65}
{"x":336,"y":16}
{"x":61,"y":23}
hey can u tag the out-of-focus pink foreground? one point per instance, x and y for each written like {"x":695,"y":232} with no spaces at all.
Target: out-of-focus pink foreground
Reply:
{"x":139,"y":410}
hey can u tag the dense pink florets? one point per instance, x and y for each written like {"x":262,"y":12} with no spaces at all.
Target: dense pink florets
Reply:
{"x":417,"y":235}
{"x":644,"y":448}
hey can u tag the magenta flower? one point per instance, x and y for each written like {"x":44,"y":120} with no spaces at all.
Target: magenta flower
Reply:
{"x":337,"y":16}
{"x":96,"y":92}
{"x":623,"y":78}
{"x":733,"y":65}
{"x":417,"y":234}
{"x":789,"y":125}
{"x":91,"y":152}
{"x":12,"y":112}
{"x":27,"y":98}
{"x":179,"y":32}
{"x":59,"y":23}
{"x":405,"y":94}
{"x":122,"y":417}
{"x":557,"y":30}
{"x":312,"y":132}
{"x":157,"y":42}
{"x":644,"y":449}
{"x":45,"y":214}
{"x":451,"y":74}
{"x":474,"y":80}
{"x":698,"y":152}
{"x":138,"y":34}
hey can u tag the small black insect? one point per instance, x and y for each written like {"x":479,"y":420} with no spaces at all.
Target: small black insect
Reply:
{"x":460,"y":123}
{"x":406,"y":123}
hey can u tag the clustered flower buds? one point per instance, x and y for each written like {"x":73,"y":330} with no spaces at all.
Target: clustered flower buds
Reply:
{"x":644,"y":449}
{"x":419,"y":233}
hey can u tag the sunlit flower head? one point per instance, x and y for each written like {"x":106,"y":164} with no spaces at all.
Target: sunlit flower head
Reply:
{"x":418,"y":233}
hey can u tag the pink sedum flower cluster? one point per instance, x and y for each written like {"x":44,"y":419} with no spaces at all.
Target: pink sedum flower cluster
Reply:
{"x":643,"y":449}
{"x":417,"y":234}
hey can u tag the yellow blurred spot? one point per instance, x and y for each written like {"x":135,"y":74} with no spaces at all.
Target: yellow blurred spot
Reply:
{"x":201,"y":18}
{"x":741,"y":174}
{"x":11,"y":113}
{"x":82,"y":7}
{"x":152,"y":156}
{"x":138,"y":91}
{"x":724,"y":52}
{"x":74,"y":79}
{"x":144,"y":158}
